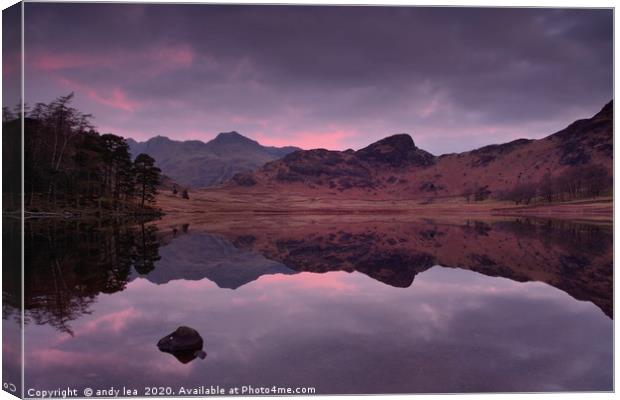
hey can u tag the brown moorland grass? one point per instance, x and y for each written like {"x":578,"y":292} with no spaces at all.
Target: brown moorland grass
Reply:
{"x":268,"y":203}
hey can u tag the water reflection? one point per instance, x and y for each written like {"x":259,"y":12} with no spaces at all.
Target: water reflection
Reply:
{"x":202,"y":255}
{"x":574,"y":257}
{"x":68,"y":264}
{"x":11,"y":304}
{"x":323,"y":303}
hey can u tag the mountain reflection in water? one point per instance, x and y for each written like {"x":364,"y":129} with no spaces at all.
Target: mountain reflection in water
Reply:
{"x":302,"y":312}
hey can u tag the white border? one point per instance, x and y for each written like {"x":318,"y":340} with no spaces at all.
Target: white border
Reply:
{"x":448,"y":3}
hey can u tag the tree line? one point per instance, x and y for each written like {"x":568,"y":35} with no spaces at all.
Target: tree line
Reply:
{"x":68,"y":164}
{"x":573,"y":184}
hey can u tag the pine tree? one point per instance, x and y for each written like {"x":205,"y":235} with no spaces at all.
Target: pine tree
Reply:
{"x":117,"y":167}
{"x":147,"y":177}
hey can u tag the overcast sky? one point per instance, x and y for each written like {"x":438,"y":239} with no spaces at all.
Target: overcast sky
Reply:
{"x":331,"y":77}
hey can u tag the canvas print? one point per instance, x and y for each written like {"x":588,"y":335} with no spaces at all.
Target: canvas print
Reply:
{"x":234,"y":200}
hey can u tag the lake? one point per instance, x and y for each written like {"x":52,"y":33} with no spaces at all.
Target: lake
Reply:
{"x":341,"y":304}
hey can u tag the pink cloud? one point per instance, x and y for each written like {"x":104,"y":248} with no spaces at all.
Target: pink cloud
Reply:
{"x":331,"y":138}
{"x":11,"y":64}
{"x":10,"y":350}
{"x":118,"y":99}
{"x":153,"y":61}
{"x":430,"y":108}
{"x":181,"y":56}
{"x":115,"y":97}
{"x":52,"y":62}
{"x":53,"y":357}
{"x":329,"y":282}
{"x":113,"y":322}
{"x":44,"y":357}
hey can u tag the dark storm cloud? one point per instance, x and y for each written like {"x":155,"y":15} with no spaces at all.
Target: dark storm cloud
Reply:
{"x":324,"y":76}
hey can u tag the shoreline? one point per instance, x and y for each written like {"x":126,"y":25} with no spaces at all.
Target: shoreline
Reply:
{"x":214,"y":204}
{"x":205,"y":203}
{"x":73,"y":215}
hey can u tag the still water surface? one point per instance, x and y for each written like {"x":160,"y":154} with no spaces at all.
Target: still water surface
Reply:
{"x":360,"y":306}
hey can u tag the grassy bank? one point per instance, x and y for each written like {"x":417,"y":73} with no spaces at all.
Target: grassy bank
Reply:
{"x":239,"y":202}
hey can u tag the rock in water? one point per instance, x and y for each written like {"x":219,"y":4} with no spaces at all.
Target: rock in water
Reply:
{"x":185,"y":344}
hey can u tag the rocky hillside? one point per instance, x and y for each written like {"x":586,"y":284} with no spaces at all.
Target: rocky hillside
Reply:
{"x":198,"y":164}
{"x":395,"y":168}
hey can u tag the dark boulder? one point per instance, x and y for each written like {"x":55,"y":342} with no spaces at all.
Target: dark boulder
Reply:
{"x":184,"y":343}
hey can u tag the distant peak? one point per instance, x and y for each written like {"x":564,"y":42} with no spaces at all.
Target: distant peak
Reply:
{"x":396,"y":150}
{"x":230,"y":135}
{"x":160,"y":138}
{"x":399,"y":139}
{"x":400,"y":142}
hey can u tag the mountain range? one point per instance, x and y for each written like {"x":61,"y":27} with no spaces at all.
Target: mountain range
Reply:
{"x":395,"y":167}
{"x":198,"y":164}
{"x":391,"y":168}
